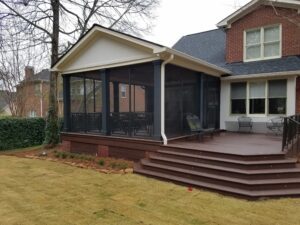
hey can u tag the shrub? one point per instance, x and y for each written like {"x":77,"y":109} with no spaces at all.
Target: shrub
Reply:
{"x":64,"y":155}
{"x":21,"y":132}
{"x":101,"y":162}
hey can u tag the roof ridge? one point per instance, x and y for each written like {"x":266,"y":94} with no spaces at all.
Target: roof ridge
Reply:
{"x":202,"y":32}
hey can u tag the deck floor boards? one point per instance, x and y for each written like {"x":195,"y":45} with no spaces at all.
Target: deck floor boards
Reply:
{"x":235,"y":143}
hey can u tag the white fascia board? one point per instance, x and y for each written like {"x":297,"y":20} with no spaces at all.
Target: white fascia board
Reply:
{"x":244,"y":10}
{"x":262,"y":75}
{"x":192,"y":59}
{"x":240,"y":12}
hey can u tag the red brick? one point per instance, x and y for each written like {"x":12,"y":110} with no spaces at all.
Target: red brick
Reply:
{"x":264,"y":16}
{"x":103,"y":151}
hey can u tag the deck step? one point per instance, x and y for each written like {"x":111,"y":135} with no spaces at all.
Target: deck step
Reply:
{"x":220,"y":188}
{"x":220,"y":179}
{"x":269,"y":173}
{"x":234,"y":163}
{"x":225,"y":155}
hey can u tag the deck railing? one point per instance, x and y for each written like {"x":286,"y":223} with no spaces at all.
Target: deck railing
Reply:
{"x":291,"y":135}
{"x":86,"y":122}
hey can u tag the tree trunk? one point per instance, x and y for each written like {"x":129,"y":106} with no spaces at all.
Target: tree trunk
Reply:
{"x":52,"y":132}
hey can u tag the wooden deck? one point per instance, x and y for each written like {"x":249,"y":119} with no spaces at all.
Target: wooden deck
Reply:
{"x":251,"y":166}
{"x":235,"y":143}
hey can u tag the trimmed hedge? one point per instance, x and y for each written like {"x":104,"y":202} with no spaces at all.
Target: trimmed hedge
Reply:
{"x":21,"y":132}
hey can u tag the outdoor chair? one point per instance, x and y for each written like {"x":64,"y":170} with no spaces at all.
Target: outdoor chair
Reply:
{"x":275,"y":125}
{"x":245,"y":122}
{"x":195,"y":127}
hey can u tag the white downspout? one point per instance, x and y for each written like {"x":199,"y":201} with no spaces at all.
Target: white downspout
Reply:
{"x":162,"y":100}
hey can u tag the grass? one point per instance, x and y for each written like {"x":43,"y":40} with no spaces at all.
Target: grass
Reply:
{"x":44,"y":192}
{"x":13,"y":151}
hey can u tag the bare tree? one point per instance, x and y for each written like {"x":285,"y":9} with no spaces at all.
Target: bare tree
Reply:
{"x":55,"y":25}
{"x":13,"y":60}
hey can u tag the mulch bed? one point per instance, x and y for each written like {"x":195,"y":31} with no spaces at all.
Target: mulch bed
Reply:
{"x":101,"y":164}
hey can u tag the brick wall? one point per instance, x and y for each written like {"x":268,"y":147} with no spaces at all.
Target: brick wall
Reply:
{"x":263,"y":16}
{"x":31,"y":101}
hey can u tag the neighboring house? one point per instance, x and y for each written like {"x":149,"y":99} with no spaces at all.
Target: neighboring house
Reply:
{"x":33,"y":91}
{"x":4,"y":106}
{"x":260,"y":45}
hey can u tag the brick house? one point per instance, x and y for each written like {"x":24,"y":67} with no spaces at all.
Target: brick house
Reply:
{"x":131,"y":98}
{"x":34,"y":91}
{"x":260,"y":45}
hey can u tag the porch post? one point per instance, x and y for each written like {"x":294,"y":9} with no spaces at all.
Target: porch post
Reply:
{"x":157,"y":100}
{"x":105,"y":102}
{"x":116,"y":96}
{"x":67,"y":105}
{"x":201,"y":83}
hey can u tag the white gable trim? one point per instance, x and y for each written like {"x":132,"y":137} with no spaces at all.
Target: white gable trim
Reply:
{"x":252,"y":5}
{"x":153,"y":52}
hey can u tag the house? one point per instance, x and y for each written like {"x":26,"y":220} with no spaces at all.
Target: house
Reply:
{"x":260,"y":45}
{"x":33,"y":92}
{"x":247,"y":67}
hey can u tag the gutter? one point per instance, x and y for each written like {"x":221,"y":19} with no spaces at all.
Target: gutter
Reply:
{"x":162,"y":100}
{"x":262,"y":75}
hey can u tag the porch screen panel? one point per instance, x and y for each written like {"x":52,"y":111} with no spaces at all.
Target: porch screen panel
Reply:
{"x":211,"y":101}
{"x":131,"y":100}
{"x":181,"y":98}
{"x":77,"y":103}
{"x":86,"y":102}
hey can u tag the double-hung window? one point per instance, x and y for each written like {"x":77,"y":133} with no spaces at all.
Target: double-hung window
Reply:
{"x":238,"y":98}
{"x":262,"y":43}
{"x":277,"y":96}
{"x":257,"y":97}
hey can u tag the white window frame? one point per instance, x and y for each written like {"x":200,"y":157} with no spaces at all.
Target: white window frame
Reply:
{"x":262,"y":44}
{"x":122,"y":91}
{"x":266,"y":99}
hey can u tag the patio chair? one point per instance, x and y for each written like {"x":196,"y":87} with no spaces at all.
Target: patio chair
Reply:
{"x":275,"y":125}
{"x":245,"y":122}
{"x":195,"y":127}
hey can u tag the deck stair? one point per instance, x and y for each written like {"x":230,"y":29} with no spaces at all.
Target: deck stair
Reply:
{"x":248,"y":176}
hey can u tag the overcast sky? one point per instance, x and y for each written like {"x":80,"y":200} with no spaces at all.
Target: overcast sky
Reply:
{"x":176,"y":18}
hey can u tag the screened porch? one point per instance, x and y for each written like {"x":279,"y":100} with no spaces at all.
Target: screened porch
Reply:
{"x":126,"y":101}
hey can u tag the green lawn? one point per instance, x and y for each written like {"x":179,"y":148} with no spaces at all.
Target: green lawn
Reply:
{"x":44,"y":192}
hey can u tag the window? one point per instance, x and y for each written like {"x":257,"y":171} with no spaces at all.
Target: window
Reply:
{"x":123,"y":91}
{"x":32,"y":113}
{"x":257,"y":97}
{"x":261,"y":97}
{"x":37,"y":90}
{"x":277,"y":96}
{"x":238,"y":98}
{"x":262,"y":43}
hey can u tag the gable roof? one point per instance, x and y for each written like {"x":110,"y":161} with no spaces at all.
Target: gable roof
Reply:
{"x":209,"y":46}
{"x":154,"y":49}
{"x":252,"y":5}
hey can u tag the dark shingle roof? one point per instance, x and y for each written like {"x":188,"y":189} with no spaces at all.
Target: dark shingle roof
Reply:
{"x":290,"y":63}
{"x":211,"y":46}
{"x":208,"y":45}
{"x":43,"y":75}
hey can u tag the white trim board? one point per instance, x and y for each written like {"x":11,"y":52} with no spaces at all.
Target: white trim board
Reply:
{"x":263,"y":75}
